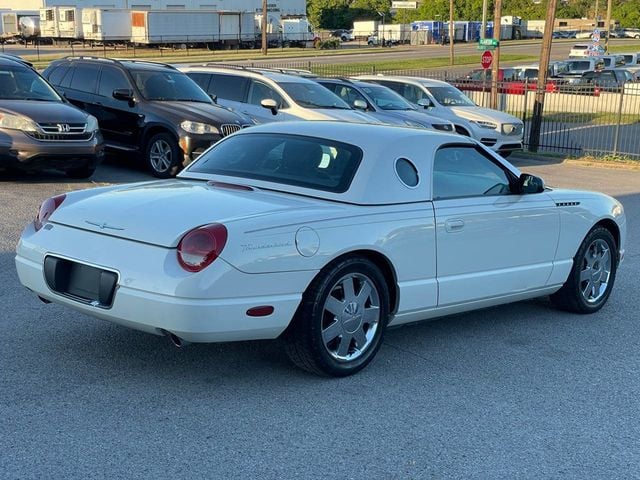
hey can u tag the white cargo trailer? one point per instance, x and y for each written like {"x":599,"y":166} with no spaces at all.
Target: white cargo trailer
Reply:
{"x":10,"y":21}
{"x":61,"y":23}
{"x":106,"y":24}
{"x":154,"y":27}
{"x":363,"y":29}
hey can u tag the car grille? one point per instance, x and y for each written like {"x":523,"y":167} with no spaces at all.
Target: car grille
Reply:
{"x":489,"y":142}
{"x":60,"y":132}
{"x":445,"y":127}
{"x":229,"y":128}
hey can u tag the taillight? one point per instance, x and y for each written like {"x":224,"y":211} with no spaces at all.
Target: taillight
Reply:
{"x":46,"y":209}
{"x":201,"y":246}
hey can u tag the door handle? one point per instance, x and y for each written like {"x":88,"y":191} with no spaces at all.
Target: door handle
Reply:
{"x":454,"y":225}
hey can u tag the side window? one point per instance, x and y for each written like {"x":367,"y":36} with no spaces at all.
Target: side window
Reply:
{"x":461,"y":171}
{"x":259,"y":91}
{"x":110,"y":80}
{"x":56,"y":76}
{"x":349,"y":95}
{"x":202,"y":79}
{"x":85,"y":78}
{"x":413,"y":93}
{"x":228,"y":87}
{"x":395,"y":86}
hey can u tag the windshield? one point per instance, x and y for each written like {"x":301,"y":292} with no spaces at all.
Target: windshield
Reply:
{"x":313,"y":95}
{"x":450,"y":97}
{"x":22,"y":83}
{"x":295,"y":160}
{"x":386,"y":98}
{"x":170,"y":86}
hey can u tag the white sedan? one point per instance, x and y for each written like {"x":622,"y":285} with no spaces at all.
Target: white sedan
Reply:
{"x":323,"y":234}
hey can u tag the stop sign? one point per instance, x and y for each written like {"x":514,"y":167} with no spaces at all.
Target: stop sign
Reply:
{"x":487,"y":58}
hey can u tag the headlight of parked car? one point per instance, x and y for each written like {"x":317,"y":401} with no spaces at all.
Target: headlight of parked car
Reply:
{"x":484,"y":124}
{"x":509,"y":128}
{"x":92,"y":124}
{"x":17,"y":122}
{"x":198,"y":128}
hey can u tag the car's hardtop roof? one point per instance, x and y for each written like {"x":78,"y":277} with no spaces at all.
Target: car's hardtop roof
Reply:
{"x":376,"y":182}
{"x":250,"y":72}
{"x":347,"y":81}
{"x":427,"y":82}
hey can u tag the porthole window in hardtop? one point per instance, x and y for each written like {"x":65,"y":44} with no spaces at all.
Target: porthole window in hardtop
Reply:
{"x":407,"y":172}
{"x":296,"y":160}
{"x":465,"y":171}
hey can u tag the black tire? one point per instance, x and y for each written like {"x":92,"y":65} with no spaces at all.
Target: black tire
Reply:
{"x":80,"y":172}
{"x":163,"y":155}
{"x":571,"y":296}
{"x":304,"y":341}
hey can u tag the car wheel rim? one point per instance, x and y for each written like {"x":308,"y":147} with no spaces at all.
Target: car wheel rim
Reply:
{"x":596,"y":271}
{"x":351,"y":317}
{"x":161,"y":156}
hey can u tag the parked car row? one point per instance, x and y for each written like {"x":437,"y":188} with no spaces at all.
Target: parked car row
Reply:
{"x":168,"y":116}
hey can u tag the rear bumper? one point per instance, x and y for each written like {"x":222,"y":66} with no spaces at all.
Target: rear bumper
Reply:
{"x":23,"y":152}
{"x":153,"y":294}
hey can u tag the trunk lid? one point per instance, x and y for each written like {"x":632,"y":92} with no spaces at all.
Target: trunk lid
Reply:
{"x":160,"y":213}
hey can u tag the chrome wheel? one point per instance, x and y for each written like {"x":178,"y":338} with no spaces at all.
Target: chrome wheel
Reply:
{"x":351,"y":317}
{"x":161,"y":156}
{"x":596,"y":271}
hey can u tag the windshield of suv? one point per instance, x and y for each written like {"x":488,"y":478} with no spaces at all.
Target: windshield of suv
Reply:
{"x":451,"y":97}
{"x":300,"y":161}
{"x":169,"y":86}
{"x":387,"y":99}
{"x":313,"y":95}
{"x":22,"y":83}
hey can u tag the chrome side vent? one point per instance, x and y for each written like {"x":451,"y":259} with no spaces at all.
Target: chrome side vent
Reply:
{"x":567,"y":204}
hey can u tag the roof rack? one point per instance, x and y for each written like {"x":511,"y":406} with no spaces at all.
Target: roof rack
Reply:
{"x":120,"y":60}
{"x":261,"y":70}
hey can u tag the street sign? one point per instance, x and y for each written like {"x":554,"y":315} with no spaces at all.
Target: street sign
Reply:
{"x":487,"y":59}
{"x":489,"y":42}
{"x":485,"y":47}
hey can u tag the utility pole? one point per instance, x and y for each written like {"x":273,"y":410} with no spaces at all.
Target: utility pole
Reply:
{"x":264,"y":27}
{"x":484,"y":19}
{"x":495,"y":67}
{"x":452,"y":32}
{"x":543,"y":70}
{"x":608,"y":27}
{"x":596,"y":13}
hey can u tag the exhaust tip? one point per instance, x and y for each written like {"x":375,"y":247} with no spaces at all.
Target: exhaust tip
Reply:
{"x":174,"y":340}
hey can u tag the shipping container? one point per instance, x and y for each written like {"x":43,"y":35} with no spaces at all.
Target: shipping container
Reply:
{"x":61,"y":23}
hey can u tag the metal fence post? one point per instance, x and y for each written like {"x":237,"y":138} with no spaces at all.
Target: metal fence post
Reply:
{"x":618,"y":121}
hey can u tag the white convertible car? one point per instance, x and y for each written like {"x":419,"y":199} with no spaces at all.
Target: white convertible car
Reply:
{"x":323,"y":234}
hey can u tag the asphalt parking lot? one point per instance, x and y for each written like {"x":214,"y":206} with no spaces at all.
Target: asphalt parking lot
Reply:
{"x":519,"y":391}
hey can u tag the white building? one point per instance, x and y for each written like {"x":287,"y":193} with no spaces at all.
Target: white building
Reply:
{"x":285,"y":7}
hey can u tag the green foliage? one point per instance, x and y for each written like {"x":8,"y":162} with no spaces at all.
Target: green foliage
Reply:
{"x":333,"y":14}
{"x":329,"y":44}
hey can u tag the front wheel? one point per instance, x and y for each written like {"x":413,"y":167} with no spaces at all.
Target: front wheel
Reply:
{"x":592,"y":275}
{"x":163,"y":155}
{"x":339,"y":326}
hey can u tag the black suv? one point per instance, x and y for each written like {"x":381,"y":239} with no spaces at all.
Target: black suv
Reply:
{"x":145,"y":107}
{"x":41,"y":130}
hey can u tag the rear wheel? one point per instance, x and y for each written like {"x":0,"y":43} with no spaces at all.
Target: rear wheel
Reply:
{"x":591,"y":279}
{"x":163,"y":155}
{"x":339,"y":326}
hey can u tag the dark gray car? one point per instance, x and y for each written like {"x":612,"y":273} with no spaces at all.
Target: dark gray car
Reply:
{"x":39,"y":129}
{"x":384,"y":104}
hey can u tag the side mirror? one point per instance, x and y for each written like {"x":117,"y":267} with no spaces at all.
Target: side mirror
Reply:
{"x":530,"y":184}
{"x":425,"y":103}
{"x":360,"y":104}
{"x":123,"y":94}
{"x":270,"y":104}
